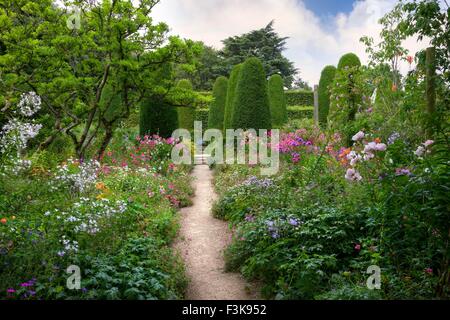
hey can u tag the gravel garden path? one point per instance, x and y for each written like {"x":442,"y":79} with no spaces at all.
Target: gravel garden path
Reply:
{"x":201,"y":243}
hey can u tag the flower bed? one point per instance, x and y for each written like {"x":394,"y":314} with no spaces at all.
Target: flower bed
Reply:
{"x":314,"y":230}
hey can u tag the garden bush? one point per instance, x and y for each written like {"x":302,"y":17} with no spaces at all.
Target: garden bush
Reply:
{"x":345,"y":95}
{"x":231,"y":92}
{"x":157,"y":117}
{"x":326,"y":79}
{"x":251,"y":108}
{"x":349,"y":60}
{"x":217,"y":108}
{"x":277,"y":101}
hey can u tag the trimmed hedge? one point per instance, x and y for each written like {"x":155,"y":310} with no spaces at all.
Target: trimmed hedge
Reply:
{"x":251,"y":108}
{"x":299,"y":98}
{"x":217,"y":109}
{"x":186,"y":115}
{"x":157,"y":117}
{"x":300,"y":112}
{"x":232,"y":84}
{"x":326,"y":79}
{"x":277,"y":100}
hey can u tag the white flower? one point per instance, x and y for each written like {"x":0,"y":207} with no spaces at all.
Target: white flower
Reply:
{"x":29,"y":104}
{"x":354,"y":158}
{"x":359,"y":136}
{"x":352,"y":175}
{"x":420,"y":151}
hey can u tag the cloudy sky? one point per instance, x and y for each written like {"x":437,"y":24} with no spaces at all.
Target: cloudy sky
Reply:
{"x":319,"y":31}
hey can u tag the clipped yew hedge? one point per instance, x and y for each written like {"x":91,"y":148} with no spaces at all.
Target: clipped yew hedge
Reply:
{"x":299,"y":98}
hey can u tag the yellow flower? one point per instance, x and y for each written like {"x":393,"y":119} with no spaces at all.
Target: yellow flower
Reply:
{"x":101,"y":196}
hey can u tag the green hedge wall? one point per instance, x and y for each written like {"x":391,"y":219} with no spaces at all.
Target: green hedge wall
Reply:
{"x":299,"y":98}
{"x":300,"y":112}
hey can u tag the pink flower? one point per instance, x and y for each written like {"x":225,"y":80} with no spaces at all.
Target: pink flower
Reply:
{"x":357,"y":247}
{"x":428,"y":143}
{"x":380,"y":147}
{"x":429,"y":270}
{"x":359,"y":136}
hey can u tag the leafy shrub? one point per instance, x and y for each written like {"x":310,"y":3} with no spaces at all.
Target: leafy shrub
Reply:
{"x":349,"y":60}
{"x":251,"y":105}
{"x":231,"y":92}
{"x":326,"y":79}
{"x":345,"y":95}
{"x":217,"y":109}
{"x":277,"y":100}
{"x":157,"y":117}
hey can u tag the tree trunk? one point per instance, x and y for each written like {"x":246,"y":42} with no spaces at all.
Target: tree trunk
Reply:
{"x":430,"y":64}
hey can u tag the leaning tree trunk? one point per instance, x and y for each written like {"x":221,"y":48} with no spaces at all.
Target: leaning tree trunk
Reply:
{"x":109,"y":132}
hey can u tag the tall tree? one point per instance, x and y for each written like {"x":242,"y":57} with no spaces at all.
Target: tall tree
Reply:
{"x":264,"y":44}
{"x":90,"y":76}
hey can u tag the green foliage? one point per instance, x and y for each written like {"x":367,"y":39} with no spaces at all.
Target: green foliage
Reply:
{"x":277,"y":100}
{"x":231,"y":93}
{"x":186,"y":114}
{"x":300,"y":112}
{"x":264,"y":44}
{"x":217,"y":109}
{"x":251,"y":108}
{"x":157,"y":117}
{"x":75,"y":69}
{"x":326,"y":79}
{"x":299,"y":98}
{"x":349,"y":60}
{"x":208,"y":67}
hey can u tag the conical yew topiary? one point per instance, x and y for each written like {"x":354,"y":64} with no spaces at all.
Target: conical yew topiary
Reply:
{"x":217,"y":108}
{"x":186,"y":114}
{"x":231,"y":93}
{"x":157,"y":117}
{"x":251,"y":108}
{"x":326,"y":79}
{"x":277,"y":101}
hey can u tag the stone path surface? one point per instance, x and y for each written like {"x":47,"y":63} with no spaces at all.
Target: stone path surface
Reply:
{"x":201,"y":243}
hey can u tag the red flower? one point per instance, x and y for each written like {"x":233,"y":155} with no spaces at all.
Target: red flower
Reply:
{"x":410,"y":59}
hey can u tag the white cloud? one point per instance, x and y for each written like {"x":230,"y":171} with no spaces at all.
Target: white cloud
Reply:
{"x":312,"y":44}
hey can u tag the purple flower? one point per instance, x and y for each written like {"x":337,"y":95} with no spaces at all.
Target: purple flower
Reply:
{"x":275,"y":235}
{"x":402,"y":172}
{"x":249,"y":218}
{"x":10,"y":290}
{"x":293,"y":222}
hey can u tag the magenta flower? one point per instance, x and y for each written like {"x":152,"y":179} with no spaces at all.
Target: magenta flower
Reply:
{"x":357,"y":247}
